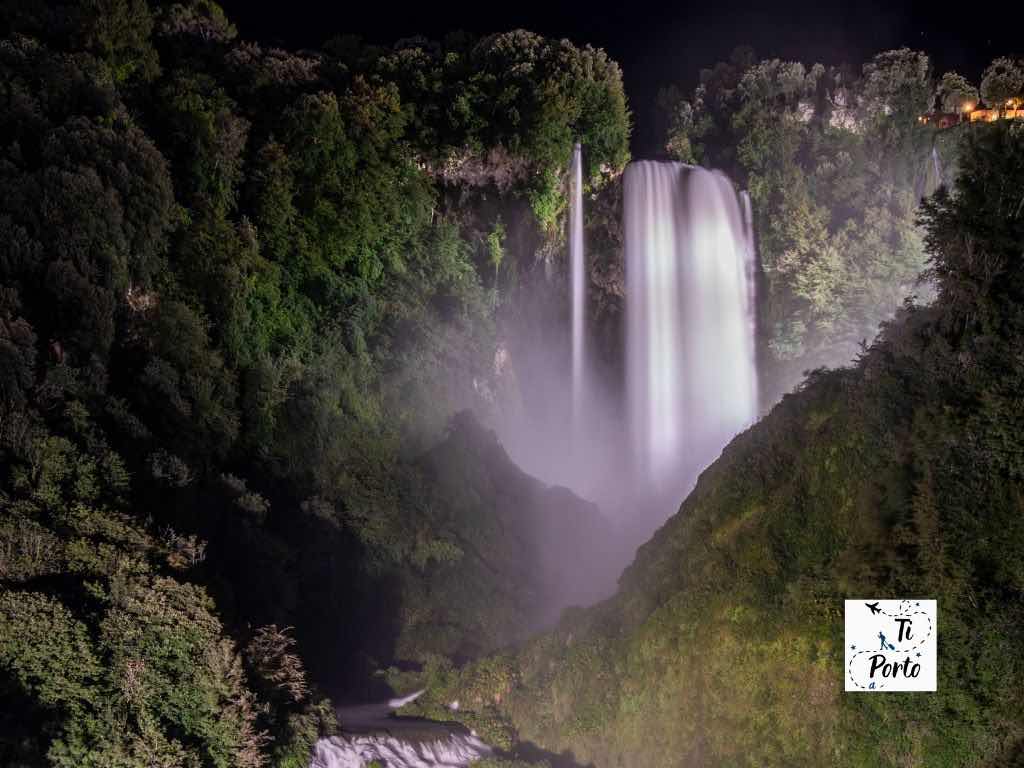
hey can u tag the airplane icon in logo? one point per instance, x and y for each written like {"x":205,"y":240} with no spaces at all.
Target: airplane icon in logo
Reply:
{"x":874,"y":607}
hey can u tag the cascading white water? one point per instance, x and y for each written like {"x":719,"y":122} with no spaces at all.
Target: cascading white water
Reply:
{"x":577,"y":287}
{"x":690,"y":374}
{"x":456,"y":751}
{"x":375,"y":734}
{"x":937,"y":165}
{"x":751,"y":260}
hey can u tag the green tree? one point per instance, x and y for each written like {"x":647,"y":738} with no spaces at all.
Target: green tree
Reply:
{"x":119,"y":32}
{"x":896,"y":90}
{"x":956,"y":93}
{"x":1002,"y":80}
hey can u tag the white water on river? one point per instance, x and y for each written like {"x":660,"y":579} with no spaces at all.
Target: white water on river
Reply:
{"x":374,"y":733}
{"x":456,"y":751}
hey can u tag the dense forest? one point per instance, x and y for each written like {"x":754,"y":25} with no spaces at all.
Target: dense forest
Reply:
{"x":259,"y":310}
{"x":243,"y":290}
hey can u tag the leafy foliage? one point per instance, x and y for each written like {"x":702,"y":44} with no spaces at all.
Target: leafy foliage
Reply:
{"x":956,"y":93}
{"x":527,"y":96}
{"x":1002,"y":80}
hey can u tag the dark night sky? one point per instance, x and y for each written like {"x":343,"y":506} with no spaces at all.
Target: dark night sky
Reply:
{"x":658,"y":43}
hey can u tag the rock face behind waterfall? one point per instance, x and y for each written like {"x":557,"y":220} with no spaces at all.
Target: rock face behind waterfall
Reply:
{"x":528,"y":551}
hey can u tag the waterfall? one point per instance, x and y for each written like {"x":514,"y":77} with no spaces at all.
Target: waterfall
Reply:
{"x":577,"y":283}
{"x":751,"y":272}
{"x":690,"y":375}
{"x":937,"y":164}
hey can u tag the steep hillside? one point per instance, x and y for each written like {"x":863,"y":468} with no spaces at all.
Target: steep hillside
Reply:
{"x":527,"y":551}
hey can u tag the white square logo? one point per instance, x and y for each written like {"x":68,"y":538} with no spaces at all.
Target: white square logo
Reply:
{"x":891,"y":645}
